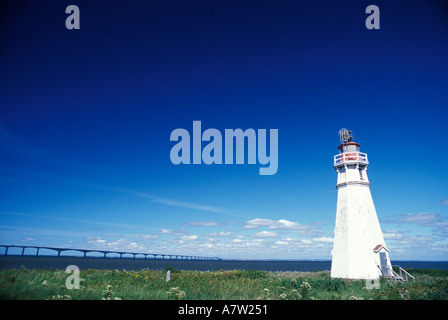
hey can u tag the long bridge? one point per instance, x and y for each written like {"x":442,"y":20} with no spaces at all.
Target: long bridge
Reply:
{"x":106,"y":252}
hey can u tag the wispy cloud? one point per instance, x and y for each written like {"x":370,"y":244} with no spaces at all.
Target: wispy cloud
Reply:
{"x":173,"y":232}
{"x":13,"y":143}
{"x":157,"y":199}
{"x":427,"y":219}
{"x":8,"y":141}
{"x":283,"y":224}
{"x":202,"y":224}
{"x":265,"y":234}
{"x":220,"y":234}
{"x":323,"y":239}
{"x":274,"y":224}
{"x":209,"y":223}
{"x":42,"y":232}
{"x":392,"y":235}
{"x":14,"y":213}
{"x":94,"y":222}
{"x":422,"y":218}
{"x":189,"y":238}
{"x":75,"y":220}
{"x":190,"y":205}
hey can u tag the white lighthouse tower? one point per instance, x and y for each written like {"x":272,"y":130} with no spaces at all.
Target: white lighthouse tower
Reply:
{"x":359,"y":250}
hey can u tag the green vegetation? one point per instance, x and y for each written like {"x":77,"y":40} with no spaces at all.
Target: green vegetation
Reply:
{"x":221,"y":285}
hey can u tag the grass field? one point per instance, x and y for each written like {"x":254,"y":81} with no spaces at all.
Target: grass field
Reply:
{"x":216,"y":285}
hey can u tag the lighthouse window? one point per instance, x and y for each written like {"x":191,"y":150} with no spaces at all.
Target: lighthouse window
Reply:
{"x":360,"y":174}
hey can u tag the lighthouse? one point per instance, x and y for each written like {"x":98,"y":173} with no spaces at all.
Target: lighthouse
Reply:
{"x":359,"y":250}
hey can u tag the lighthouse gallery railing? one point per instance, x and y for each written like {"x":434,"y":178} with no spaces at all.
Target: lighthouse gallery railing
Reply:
{"x":350,"y":156}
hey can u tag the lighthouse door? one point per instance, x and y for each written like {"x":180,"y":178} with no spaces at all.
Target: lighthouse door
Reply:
{"x":384,"y":265}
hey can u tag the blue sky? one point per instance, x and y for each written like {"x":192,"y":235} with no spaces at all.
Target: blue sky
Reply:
{"x":86,"y":117}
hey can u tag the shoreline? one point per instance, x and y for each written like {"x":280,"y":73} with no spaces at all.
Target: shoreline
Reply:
{"x":51,"y":262}
{"x":100,"y":263}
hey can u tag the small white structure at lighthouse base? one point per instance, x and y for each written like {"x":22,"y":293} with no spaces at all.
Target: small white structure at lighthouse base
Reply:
{"x":359,"y":250}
